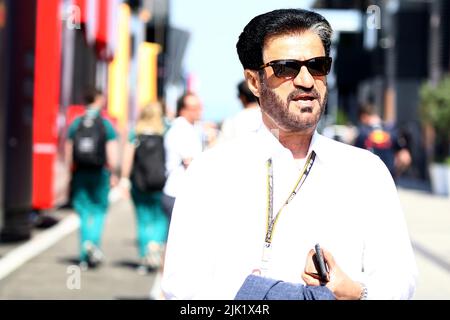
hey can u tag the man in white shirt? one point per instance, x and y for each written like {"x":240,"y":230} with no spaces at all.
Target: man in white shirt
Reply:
{"x":260,"y":204}
{"x":182,"y":143}
{"x":245,"y":121}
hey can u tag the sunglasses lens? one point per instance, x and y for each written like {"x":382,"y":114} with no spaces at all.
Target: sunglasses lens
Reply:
{"x":285,"y":69}
{"x":319,"y":66}
{"x":289,"y":69}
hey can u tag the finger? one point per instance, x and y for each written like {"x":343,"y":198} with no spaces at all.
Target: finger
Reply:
{"x":310,"y":280}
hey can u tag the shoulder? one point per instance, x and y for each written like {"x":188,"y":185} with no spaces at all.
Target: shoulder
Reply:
{"x":179,"y":124}
{"x":74,"y":124}
{"x":359,"y":169}
{"x":232,"y":153}
{"x":228,"y":122}
{"x":175,"y":126}
{"x":181,"y":132}
{"x":342,"y":154}
{"x":111,"y":132}
{"x":73,"y":127}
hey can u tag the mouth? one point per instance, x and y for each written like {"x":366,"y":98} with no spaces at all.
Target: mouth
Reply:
{"x":304,"y":102}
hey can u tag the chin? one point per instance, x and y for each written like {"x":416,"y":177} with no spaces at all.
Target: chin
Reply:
{"x":306,"y":119}
{"x":303,"y":126}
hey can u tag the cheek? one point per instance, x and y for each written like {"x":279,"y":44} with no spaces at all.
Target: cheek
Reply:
{"x":274,"y":82}
{"x":269,"y":94}
{"x":283,"y":91}
{"x":321,"y":87}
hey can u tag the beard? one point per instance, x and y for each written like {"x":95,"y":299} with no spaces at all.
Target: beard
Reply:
{"x":279,"y":112}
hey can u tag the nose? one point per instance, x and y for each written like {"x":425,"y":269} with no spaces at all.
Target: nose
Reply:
{"x":304,"y":79}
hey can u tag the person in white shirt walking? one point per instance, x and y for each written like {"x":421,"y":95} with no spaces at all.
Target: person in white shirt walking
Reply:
{"x":182,"y":143}
{"x":245,"y":121}
{"x":261,"y":204}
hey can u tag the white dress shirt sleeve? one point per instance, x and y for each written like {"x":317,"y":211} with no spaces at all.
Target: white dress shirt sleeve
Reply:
{"x":388,"y":260}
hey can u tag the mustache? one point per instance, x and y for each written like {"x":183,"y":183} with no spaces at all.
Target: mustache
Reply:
{"x":313,"y":93}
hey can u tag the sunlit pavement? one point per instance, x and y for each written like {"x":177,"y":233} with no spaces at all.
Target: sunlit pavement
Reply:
{"x":50,"y":275}
{"x":53,"y":273}
{"x":428,"y":219}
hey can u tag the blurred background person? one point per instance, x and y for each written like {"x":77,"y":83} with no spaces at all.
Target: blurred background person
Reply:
{"x":143,"y":174}
{"x":92,"y":155}
{"x":246,"y":120}
{"x":383,"y":140}
{"x":182,"y":143}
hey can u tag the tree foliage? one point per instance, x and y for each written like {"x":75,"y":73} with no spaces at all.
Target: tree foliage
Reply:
{"x":435,"y":110}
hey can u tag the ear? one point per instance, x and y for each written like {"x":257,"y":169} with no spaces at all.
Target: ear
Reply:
{"x":252,"y":78}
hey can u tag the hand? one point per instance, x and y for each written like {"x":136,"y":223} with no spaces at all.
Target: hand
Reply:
{"x":402,"y":160}
{"x":339,"y":283}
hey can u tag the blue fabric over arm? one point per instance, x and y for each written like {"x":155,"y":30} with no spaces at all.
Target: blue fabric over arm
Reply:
{"x":260,"y":288}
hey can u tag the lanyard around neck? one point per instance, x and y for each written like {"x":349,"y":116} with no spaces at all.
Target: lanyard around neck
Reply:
{"x":271,"y":220}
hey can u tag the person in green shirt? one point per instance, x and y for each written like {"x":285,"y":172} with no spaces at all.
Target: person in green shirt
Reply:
{"x":92,"y":156}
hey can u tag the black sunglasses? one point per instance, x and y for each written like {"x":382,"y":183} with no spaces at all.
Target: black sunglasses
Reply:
{"x":289,"y":68}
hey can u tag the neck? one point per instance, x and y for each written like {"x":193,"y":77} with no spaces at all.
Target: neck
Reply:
{"x":191,"y":121}
{"x":296,"y":141}
{"x":251,"y":105}
{"x":95,"y":106}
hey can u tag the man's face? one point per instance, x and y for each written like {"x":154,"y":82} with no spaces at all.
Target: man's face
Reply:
{"x":294,"y":105}
{"x":99,"y":101}
{"x":193,"y":107}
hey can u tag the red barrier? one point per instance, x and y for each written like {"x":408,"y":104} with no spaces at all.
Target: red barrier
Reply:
{"x":46,"y":101}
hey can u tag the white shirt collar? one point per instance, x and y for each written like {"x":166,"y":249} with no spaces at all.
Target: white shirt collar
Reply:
{"x":273,"y":147}
{"x":182,"y":120}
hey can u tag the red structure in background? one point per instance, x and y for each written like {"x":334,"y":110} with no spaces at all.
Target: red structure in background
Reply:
{"x":88,"y":15}
{"x":99,"y":20}
{"x":46,"y":101}
{"x":46,"y":60}
{"x":96,"y":21}
{"x":101,"y":39}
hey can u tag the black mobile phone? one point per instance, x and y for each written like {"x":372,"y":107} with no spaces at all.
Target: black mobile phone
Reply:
{"x":320,"y":264}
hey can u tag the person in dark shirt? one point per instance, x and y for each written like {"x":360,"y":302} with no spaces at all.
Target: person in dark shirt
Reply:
{"x":383,"y":140}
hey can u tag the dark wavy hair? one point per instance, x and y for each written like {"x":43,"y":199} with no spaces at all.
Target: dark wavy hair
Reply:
{"x":276,"y":23}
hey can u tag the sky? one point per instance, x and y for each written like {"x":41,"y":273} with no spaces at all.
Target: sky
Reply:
{"x":211,"y":57}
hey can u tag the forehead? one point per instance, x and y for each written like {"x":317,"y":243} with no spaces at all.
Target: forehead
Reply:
{"x":191,"y":101}
{"x":301,"y":46}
